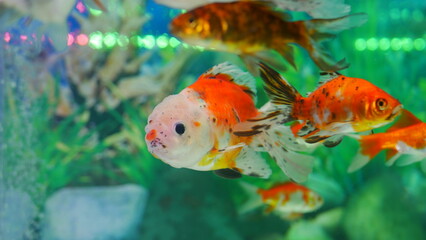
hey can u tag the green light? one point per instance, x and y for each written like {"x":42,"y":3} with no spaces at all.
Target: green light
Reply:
{"x":95,"y":40}
{"x":148,"y":41}
{"x":372,"y":44}
{"x":396,"y":44}
{"x":162,"y":41}
{"x":123,"y":41}
{"x":407,"y":44}
{"x":173,"y":42}
{"x":134,"y":40}
{"x":418,"y":15}
{"x":95,"y":12}
{"x":360,"y":44}
{"x":384,"y":44}
{"x":110,"y":39}
{"x":419,"y":44}
{"x":185,"y":45}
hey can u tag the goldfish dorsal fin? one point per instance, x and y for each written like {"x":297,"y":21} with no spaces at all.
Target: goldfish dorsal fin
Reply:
{"x":236,"y":75}
{"x":327,"y":76}
{"x":406,"y":119}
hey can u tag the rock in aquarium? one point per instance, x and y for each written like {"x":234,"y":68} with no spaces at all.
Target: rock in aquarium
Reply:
{"x":84,"y":213}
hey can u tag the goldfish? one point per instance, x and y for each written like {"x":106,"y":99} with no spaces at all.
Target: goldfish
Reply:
{"x":288,"y":200}
{"x":314,"y":8}
{"x":339,"y":106}
{"x":407,"y":136}
{"x":254,"y":31}
{"x":194,"y":129}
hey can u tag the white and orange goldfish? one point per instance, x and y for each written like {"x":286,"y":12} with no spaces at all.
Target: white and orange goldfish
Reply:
{"x":255,"y":31}
{"x":288,"y":200}
{"x":194,"y":129}
{"x":407,"y":136}
{"x":339,"y":106}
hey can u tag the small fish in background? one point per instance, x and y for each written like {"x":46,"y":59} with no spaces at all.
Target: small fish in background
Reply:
{"x":315,"y":8}
{"x":339,"y":106}
{"x":255,"y":31}
{"x":407,"y":136}
{"x":288,"y":200}
{"x":194,"y":129}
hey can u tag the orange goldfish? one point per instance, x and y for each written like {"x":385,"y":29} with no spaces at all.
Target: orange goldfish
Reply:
{"x":407,"y":136}
{"x":253,"y":30}
{"x":288,"y":200}
{"x":340,"y":105}
{"x":193,"y":129}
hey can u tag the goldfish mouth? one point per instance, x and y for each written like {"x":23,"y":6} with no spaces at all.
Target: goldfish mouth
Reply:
{"x":396,"y":111}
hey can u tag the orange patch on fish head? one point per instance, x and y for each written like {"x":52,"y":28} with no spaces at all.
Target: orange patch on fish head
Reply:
{"x":151,"y":135}
{"x":373,"y":107}
{"x":197,"y":124}
{"x":192,"y":24}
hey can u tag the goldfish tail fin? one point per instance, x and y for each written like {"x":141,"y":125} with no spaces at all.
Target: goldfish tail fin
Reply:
{"x":369,"y":147}
{"x":279,"y":90}
{"x":324,"y":29}
{"x":281,"y":145}
{"x":254,"y":200}
{"x":315,"y":8}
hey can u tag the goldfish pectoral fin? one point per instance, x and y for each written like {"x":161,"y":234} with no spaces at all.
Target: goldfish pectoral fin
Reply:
{"x":252,"y":164}
{"x":268,"y":56}
{"x":284,"y":135}
{"x":228,"y":173}
{"x":358,"y":162}
{"x":333,"y":141}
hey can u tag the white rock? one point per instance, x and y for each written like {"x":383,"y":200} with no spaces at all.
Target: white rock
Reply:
{"x":90,"y":213}
{"x":16,"y":213}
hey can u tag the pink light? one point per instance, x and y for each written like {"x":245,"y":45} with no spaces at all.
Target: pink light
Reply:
{"x":70,"y":40}
{"x":7,"y":37}
{"x":23,"y":37}
{"x":82,"y":39}
{"x":80,"y":7}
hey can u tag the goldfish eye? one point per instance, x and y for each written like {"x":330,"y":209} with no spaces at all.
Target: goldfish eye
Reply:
{"x":179,"y":128}
{"x":381,"y":104}
{"x":191,"y":19}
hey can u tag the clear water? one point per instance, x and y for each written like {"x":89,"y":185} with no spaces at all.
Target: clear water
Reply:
{"x":73,"y":118}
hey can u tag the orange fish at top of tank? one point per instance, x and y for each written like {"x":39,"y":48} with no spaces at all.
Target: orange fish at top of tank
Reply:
{"x":254,"y":30}
{"x":339,"y":106}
